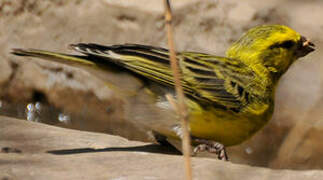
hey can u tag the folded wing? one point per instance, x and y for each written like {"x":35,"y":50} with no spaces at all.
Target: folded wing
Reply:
{"x":214,"y":80}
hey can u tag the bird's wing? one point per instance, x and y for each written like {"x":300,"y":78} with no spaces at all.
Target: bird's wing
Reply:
{"x":218,"y":80}
{"x":210,"y":79}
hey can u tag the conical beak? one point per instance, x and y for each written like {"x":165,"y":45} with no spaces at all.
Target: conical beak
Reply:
{"x":305,"y":47}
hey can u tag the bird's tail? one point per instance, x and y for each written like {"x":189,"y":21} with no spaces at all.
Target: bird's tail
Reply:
{"x":147,"y":61}
{"x":53,"y":56}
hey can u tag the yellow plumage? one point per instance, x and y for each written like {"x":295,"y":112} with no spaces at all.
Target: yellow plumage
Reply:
{"x":228,"y":98}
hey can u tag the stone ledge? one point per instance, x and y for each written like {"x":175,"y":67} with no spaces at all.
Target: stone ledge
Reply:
{"x":38,"y":151}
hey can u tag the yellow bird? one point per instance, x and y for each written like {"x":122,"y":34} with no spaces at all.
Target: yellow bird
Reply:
{"x":228,"y":98}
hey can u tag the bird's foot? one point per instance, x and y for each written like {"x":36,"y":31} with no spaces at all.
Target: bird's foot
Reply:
{"x":211,"y":147}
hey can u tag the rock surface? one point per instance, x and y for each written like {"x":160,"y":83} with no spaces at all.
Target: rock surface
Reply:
{"x":76,"y":98}
{"x":37,"y":151}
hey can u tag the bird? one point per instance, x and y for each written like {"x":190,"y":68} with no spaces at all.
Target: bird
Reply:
{"x":229,"y":98}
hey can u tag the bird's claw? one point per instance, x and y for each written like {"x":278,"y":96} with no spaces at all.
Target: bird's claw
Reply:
{"x":211,"y":147}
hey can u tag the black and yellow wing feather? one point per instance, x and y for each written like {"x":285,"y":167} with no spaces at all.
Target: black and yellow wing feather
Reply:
{"x":209,"y":79}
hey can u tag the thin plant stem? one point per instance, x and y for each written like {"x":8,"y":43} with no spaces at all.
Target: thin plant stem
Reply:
{"x":181,"y":107}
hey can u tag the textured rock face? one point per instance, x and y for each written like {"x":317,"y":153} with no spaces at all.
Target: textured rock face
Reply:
{"x":37,"y":151}
{"x":78,"y":98}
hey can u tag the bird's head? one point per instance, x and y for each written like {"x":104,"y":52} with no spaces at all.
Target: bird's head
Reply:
{"x":274,"y":47}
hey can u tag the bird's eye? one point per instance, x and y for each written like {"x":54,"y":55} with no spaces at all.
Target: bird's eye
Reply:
{"x":287,"y":44}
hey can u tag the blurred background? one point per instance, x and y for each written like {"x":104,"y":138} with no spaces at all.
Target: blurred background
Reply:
{"x":75,"y":98}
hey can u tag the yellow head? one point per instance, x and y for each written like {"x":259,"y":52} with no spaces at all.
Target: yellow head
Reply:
{"x":274,"y":47}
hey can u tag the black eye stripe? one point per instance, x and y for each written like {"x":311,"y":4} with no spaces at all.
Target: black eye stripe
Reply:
{"x":286,"y":44}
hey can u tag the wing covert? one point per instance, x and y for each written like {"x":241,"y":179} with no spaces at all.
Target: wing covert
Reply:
{"x":210,"y":79}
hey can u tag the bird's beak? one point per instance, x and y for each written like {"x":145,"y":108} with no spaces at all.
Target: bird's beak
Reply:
{"x":305,"y":47}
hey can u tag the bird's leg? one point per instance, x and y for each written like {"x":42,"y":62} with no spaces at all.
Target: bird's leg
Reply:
{"x":211,"y":147}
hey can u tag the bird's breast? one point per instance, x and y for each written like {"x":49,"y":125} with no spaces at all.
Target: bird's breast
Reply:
{"x":228,"y":127}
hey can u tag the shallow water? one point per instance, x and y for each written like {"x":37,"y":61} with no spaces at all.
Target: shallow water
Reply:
{"x":34,"y":111}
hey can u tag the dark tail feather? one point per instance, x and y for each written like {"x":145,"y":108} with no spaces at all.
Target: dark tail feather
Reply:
{"x":53,"y":56}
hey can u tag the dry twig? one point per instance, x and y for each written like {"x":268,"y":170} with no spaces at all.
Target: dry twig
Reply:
{"x":181,"y":106}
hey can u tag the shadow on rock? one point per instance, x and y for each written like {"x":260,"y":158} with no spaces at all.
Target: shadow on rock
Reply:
{"x":150,"y":148}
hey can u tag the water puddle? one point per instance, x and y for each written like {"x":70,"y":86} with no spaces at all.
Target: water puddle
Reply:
{"x":34,"y":111}
{"x":87,"y":118}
